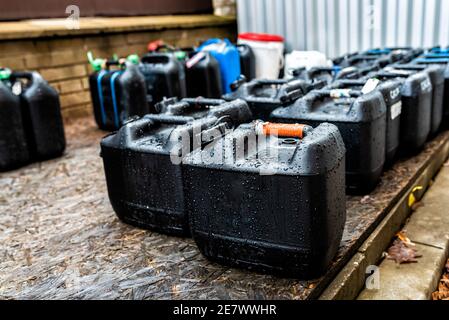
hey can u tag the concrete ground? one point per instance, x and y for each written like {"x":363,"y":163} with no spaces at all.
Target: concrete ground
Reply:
{"x":428,"y":228}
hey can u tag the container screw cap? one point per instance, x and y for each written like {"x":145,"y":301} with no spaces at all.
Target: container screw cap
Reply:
{"x":97,"y":64}
{"x":5,"y":73}
{"x":133,"y":58}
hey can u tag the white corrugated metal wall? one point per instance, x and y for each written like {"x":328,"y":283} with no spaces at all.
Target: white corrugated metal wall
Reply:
{"x":340,"y":26}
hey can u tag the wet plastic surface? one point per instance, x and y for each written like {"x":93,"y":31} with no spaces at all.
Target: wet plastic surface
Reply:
{"x":284,"y":215}
{"x":361,"y":120}
{"x":13,"y":144}
{"x":203,"y":79}
{"x":444,"y":63}
{"x":228,"y":58}
{"x":164,"y":77}
{"x":391,"y":92}
{"x":142,"y":160}
{"x":416,"y":113}
{"x":264,"y":96}
{"x":247,"y":61}
{"x":41,"y":112}
{"x":71,"y":245}
{"x":436,"y":75}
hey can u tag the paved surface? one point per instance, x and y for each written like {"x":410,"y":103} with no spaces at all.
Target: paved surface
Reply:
{"x":60,"y":239}
{"x":428,"y":227}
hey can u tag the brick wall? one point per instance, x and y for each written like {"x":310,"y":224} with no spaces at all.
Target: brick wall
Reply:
{"x":62,"y":60}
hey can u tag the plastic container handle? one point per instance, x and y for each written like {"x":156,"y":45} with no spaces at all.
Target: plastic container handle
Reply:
{"x":203,"y":101}
{"x":285,"y":130}
{"x":338,"y":93}
{"x":238,"y":83}
{"x":155,"y":58}
{"x":22,"y":75}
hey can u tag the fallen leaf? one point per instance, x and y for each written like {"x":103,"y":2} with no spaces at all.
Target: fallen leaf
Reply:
{"x":366,"y":199}
{"x":403,"y":237}
{"x":401,"y":253}
{"x":443,"y":287}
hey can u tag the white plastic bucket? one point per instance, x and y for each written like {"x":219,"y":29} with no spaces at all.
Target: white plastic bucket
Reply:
{"x":268,"y":51}
{"x":304,"y":59}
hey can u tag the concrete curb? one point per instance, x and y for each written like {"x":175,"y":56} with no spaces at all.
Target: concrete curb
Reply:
{"x":351,"y":279}
{"x":428,"y":228}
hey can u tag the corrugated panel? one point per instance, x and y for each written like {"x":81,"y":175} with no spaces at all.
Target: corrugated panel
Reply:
{"x":340,"y":26}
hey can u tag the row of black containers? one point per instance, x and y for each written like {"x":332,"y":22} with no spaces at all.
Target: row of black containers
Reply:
{"x":133,"y":86}
{"x":282,"y":214}
{"x":31,"y":126}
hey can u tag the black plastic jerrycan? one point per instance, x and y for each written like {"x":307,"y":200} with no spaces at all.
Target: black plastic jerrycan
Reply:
{"x":361,"y":119}
{"x":41,"y":111}
{"x":117,"y":94}
{"x":164,"y":77}
{"x":269,"y":203}
{"x":416,"y":107}
{"x":13,"y":144}
{"x":444,"y":62}
{"x":247,"y":61}
{"x":203,"y":75}
{"x":436,"y":75}
{"x":264,"y":96}
{"x":142,"y":164}
{"x":391,"y":92}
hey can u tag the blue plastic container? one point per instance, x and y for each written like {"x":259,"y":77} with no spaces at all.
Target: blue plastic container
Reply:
{"x":439,"y":50}
{"x":228,"y":57}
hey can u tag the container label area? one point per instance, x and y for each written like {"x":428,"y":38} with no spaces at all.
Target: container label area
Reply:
{"x":396,"y":110}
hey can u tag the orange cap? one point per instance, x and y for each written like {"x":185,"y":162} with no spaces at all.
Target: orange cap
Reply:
{"x":281,"y":129}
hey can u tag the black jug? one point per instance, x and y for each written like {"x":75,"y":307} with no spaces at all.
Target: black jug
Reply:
{"x":13,"y":144}
{"x":361,"y":119}
{"x":416,"y":106}
{"x":41,"y":111}
{"x":203,"y":75}
{"x":445,"y":64}
{"x":247,"y":61}
{"x":264,"y":96}
{"x":391,"y":92}
{"x":142,"y":164}
{"x":117,"y":95}
{"x":164,"y":77}
{"x":436,"y":75}
{"x":272,"y":204}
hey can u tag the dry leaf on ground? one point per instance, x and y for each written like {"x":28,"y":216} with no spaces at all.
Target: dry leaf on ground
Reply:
{"x":401,"y":251}
{"x":443,"y":286}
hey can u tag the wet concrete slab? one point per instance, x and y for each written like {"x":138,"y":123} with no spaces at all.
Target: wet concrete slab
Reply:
{"x":60,"y":239}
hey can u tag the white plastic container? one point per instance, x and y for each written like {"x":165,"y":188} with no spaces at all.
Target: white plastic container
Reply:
{"x":305,"y":59}
{"x":268,"y":51}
